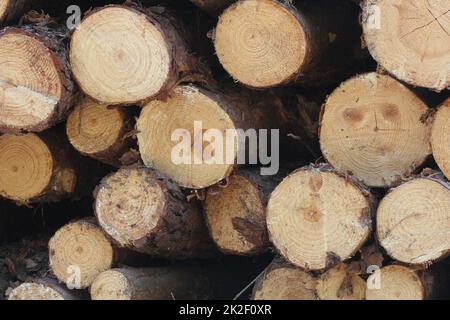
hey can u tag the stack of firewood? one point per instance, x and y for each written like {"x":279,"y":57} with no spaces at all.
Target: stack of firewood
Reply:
{"x":93,"y":107}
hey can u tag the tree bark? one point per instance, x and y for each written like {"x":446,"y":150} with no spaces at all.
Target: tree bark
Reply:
{"x":145,"y":211}
{"x":156,"y":58}
{"x":311,"y":43}
{"x":36,"y":89}
{"x":318,"y":217}
{"x":375,"y":128}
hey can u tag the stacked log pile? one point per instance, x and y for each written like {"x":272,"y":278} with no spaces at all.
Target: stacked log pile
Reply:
{"x":297,"y":149}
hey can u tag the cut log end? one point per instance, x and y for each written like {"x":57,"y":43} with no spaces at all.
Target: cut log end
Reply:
{"x":410,"y":40}
{"x":35,"y":291}
{"x":285,"y":283}
{"x":26,"y":164}
{"x":111,"y":285}
{"x":318,"y":218}
{"x":96,"y":130}
{"x":31,"y":83}
{"x":120,"y":56}
{"x":260,"y":43}
{"x":168,"y":143}
{"x":236,"y":217}
{"x":395,"y":283}
{"x":375,"y":128}
{"x":338,"y":284}
{"x":128,"y":205}
{"x":79,"y":252}
{"x":440,"y":139}
{"x":413,"y":222}
{"x":4,"y":4}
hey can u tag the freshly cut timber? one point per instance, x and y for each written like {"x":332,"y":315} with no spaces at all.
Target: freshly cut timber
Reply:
{"x":44,"y":289}
{"x":235,"y":212}
{"x":413,"y":220}
{"x":375,"y":128}
{"x":339,"y":283}
{"x":395,"y":283}
{"x":36,"y":90}
{"x":213,"y":7}
{"x":36,"y":168}
{"x":127,"y":54}
{"x":144,"y":211}
{"x":99,"y":131}
{"x":317,"y":217}
{"x":80,"y":251}
{"x":266,"y":43}
{"x":440,"y":138}
{"x":193,"y":136}
{"x":409,"y":38}
{"x":209,"y":281}
{"x":282,"y":281}
{"x":11,"y":10}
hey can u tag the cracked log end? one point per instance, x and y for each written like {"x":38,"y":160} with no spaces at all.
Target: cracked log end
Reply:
{"x":120,"y":55}
{"x":375,"y":128}
{"x":78,"y":252}
{"x":410,"y":39}
{"x":285,"y":283}
{"x":395,"y":283}
{"x":339,"y":284}
{"x":260,"y":43}
{"x":166,"y":133}
{"x":413,"y":222}
{"x":318,"y":218}
{"x":235,"y":216}
{"x":97,"y":130}
{"x":33,"y":83}
{"x":440,"y":139}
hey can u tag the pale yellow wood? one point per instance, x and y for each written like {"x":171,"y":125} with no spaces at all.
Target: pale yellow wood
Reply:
{"x":375,"y":128}
{"x":339,"y":284}
{"x":34,"y":291}
{"x":410,"y":39}
{"x":440,"y":138}
{"x":78,"y":252}
{"x":316,"y":219}
{"x":395,"y":283}
{"x":413,"y":222}
{"x":260,"y":43}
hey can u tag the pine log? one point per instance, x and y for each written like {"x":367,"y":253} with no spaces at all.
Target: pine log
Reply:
{"x":211,"y":281}
{"x":12,"y":10}
{"x":79,"y":252}
{"x":212,"y":7}
{"x":440,"y":139}
{"x":409,"y":38}
{"x":100,"y":131}
{"x":37,"y":168}
{"x":317,"y":217}
{"x":235,"y":213}
{"x":395,"y":283}
{"x":44,"y":289}
{"x":339,"y":283}
{"x":282,"y":281}
{"x":266,"y":43}
{"x":125,"y":54}
{"x":165,"y":126}
{"x":413,"y":220}
{"x":36,"y":89}
{"x":145,"y":211}
{"x":375,"y":128}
